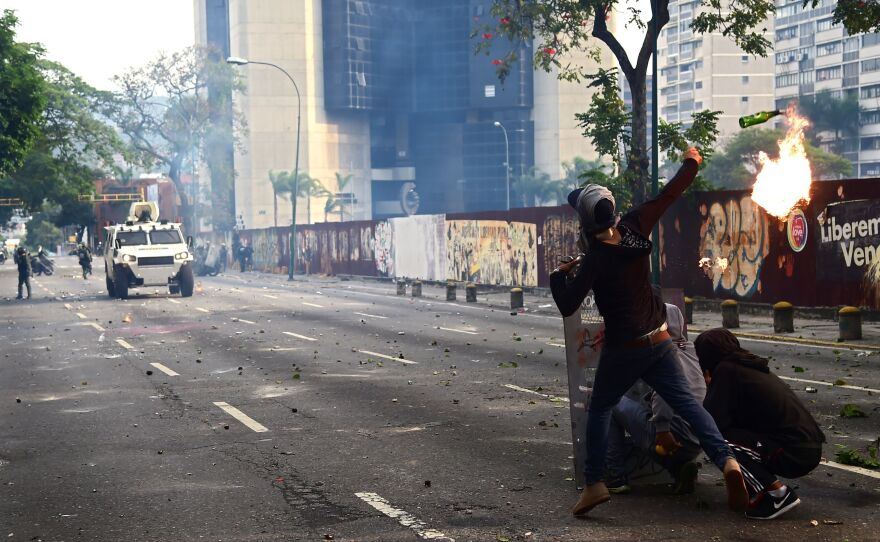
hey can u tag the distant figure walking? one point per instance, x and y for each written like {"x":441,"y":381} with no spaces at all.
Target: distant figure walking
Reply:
{"x":23,"y":260}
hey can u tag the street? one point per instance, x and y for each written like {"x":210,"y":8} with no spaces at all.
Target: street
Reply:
{"x":261,"y":409}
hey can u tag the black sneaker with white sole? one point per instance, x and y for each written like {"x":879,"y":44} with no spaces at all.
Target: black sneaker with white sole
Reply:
{"x":766,"y":506}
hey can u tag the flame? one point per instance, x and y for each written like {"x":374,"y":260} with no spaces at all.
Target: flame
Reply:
{"x":720,"y":265}
{"x":783,"y":183}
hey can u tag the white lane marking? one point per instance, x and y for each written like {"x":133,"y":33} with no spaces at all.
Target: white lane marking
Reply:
{"x":298,"y":336}
{"x":249,"y":422}
{"x":556,"y":344}
{"x":403,"y":517}
{"x":94,"y":325}
{"x":823,"y":383}
{"x":124,"y":344}
{"x":458,"y":330}
{"x":533,"y":392}
{"x":164,"y":369}
{"x":270,"y":296}
{"x":81,"y":316}
{"x":371,"y":315}
{"x":313,"y":305}
{"x":245,"y":321}
{"x":857,"y":470}
{"x":202,"y":310}
{"x":803,"y":345}
{"x":68,"y":306}
{"x":176,"y":302}
{"x":399,"y":360}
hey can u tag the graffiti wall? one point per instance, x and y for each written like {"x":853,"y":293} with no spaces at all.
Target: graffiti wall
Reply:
{"x":824,"y":255}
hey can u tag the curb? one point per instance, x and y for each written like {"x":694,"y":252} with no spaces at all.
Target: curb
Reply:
{"x":796,"y":340}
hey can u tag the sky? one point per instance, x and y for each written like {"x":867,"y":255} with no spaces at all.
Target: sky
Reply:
{"x":97,"y":39}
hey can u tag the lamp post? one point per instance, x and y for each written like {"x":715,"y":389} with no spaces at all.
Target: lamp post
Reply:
{"x":655,"y":151}
{"x":237,"y":61}
{"x":506,"y":159}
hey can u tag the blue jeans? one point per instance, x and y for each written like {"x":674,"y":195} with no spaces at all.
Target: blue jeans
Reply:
{"x":618,"y":370}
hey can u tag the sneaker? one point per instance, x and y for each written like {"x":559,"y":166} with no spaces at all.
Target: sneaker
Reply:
{"x":766,"y":506}
{"x":618,"y":486}
{"x":686,"y":479}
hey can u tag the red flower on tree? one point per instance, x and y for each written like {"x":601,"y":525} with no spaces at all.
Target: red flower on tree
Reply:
{"x":487,"y":36}
{"x":505,"y":20}
{"x":550,"y":50}
{"x":497,"y":62}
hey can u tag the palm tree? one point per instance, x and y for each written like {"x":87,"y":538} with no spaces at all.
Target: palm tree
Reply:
{"x":534,"y":187}
{"x":341,"y":183}
{"x":332,"y":204}
{"x":578,"y":172}
{"x":280,"y":185}
{"x":309,"y":187}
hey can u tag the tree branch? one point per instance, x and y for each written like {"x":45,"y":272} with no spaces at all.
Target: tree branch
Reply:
{"x":601,"y":32}
{"x":662,"y":17}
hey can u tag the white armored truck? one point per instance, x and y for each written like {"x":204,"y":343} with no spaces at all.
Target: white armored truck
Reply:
{"x":147,"y":252}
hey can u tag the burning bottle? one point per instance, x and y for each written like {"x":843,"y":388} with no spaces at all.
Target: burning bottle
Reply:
{"x":758,"y":118}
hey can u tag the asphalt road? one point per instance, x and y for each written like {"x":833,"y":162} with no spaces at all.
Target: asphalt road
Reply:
{"x":265,"y":410}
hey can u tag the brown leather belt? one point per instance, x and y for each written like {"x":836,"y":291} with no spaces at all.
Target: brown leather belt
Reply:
{"x":648,"y":340}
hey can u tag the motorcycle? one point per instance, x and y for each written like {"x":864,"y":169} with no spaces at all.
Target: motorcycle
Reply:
{"x":42,"y":265}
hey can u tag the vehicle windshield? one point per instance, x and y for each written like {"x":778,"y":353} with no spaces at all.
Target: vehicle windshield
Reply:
{"x":165,"y":237}
{"x":130,"y":238}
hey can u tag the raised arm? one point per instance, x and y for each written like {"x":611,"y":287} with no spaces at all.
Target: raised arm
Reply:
{"x":649,"y":213}
{"x":569,"y":293}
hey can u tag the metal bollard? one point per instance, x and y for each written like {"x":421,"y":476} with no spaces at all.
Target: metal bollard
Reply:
{"x":730,"y":313}
{"x":417,"y":288}
{"x":783,"y":317}
{"x":850,"y":322}
{"x":516,"y":298}
{"x":471,"y":292}
{"x":401,"y":287}
{"x":450,"y":291}
{"x":688,"y":310}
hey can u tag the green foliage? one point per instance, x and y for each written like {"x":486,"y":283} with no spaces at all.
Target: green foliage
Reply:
{"x":840,"y":116}
{"x":22,"y":95}
{"x":533,"y":188}
{"x":850,"y":410}
{"x":737,"y":165}
{"x":850,"y":456}
{"x":740,"y":20}
{"x":857,"y":16}
{"x":674,"y":139}
{"x":606,"y":121}
{"x":41,"y":230}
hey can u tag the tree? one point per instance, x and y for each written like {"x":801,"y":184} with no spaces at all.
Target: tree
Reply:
{"x":309,"y":187}
{"x":839,"y":116}
{"x":737,"y":165}
{"x":559,"y":28}
{"x":22,"y":95}
{"x":332,"y":204}
{"x":534,"y":188}
{"x":41,"y":230}
{"x":574,"y":174}
{"x":74,"y":147}
{"x":342,"y":182}
{"x":164,"y":111}
{"x":281,"y":184}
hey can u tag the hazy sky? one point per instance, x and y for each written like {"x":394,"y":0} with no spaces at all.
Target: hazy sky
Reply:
{"x":98,"y":39}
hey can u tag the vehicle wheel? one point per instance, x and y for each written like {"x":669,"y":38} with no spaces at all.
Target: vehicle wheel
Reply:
{"x":110,"y":291}
{"x":174,"y":290}
{"x":120,"y":282}
{"x":186,"y":281}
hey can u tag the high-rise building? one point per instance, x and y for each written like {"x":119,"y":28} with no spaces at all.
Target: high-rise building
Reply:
{"x":709,"y":71}
{"x":815,"y":56}
{"x":392,"y":94}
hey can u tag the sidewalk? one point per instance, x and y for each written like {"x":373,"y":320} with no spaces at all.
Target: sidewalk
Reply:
{"x":806,"y":331}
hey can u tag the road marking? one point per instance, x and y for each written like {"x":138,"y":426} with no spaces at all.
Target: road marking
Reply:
{"x":249,"y":422}
{"x":533,"y":392}
{"x":857,"y":470}
{"x":245,"y":321}
{"x":458,"y":330}
{"x":313,"y":305}
{"x":124,"y":344}
{"x":94,"y":325}
{"x":371,"y":315}
{"x":823,"y":383}
{"x":68,"y":306}
{"x":270,"y":296}
{"x":840,"y":348}
{"x":556,"y":344}
{"x":298,"y":336}
{"x":399,"y":360}
{"x":176,"y":302}
{"x":202,"y":310}
{"x":403,"y":517}
{"x":81,"y":315}
{"x":164,"y":369}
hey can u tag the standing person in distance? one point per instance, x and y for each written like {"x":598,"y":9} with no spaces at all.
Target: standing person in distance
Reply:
{"x":615,"y":265}
{"x":23,"y":261}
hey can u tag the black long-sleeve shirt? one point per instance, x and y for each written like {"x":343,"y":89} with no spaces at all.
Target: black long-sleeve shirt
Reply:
{"x":619,"y":275}
{"x":743,"y":398}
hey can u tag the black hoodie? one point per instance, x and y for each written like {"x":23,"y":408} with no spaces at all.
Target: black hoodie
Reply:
{"x":745,"y":395}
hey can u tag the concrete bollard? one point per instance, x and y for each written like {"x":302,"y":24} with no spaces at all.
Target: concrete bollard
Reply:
{"x":850,"y":322}
{"x":471,"y":292}
{"x":688,"y":310}
{"x":450,"y":291}
{"x":783,"y":317}
{"x":417,"y":288}
{"x":401,"y":287}
{"x":516,"y":298}
{"x":730,"y":313}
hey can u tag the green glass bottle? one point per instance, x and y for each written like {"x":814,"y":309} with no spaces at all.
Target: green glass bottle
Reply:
{"x":757,"y":118}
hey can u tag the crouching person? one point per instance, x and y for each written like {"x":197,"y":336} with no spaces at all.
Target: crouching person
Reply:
{"x":767,"y":426}
{"x":654,"y":429}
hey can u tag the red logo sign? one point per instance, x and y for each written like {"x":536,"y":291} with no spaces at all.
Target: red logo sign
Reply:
{"x":797,"y":230}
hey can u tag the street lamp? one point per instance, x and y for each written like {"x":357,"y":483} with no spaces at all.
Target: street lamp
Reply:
{"x":506,"y":159}
{"x":238,"y":61}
